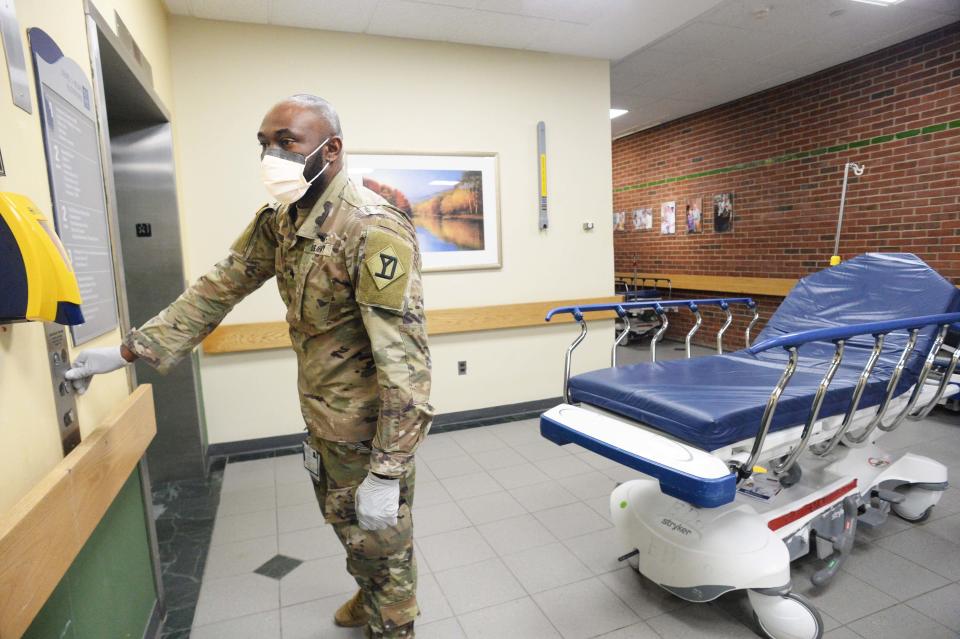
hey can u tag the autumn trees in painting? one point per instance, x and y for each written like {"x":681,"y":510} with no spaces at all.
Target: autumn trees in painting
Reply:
{"x":390,"y":194}
{"x":453,"y":217}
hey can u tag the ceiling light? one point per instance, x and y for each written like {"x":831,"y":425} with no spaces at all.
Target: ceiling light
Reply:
{"x":880,"y":3}
{"x":616,"y":113}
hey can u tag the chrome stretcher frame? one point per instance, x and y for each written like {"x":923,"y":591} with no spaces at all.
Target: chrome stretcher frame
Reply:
{"x":637,"y":323}
{"x":696,"y":504}
{"x":639,"y":292}
{"x":660,"y":308}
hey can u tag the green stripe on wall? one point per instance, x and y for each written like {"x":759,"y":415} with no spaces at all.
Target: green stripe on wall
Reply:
{"x":799,"y":155}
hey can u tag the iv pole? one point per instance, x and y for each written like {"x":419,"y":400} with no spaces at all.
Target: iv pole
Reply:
{"x":858,"y":171}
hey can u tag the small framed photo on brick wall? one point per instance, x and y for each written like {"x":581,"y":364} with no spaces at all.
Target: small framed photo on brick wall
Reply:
{"x":668,"y":218}
{"x":723,"y":213}
{"x":694,"y":215}
{"x":619,"y":220}
{"x":642,"y":219}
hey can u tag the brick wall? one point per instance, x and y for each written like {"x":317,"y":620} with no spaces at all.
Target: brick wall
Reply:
{"x":781,"y":152}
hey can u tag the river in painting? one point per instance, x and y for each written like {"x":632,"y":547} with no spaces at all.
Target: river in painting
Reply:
{"x":446,"y":234}
{"x":446,"y":206}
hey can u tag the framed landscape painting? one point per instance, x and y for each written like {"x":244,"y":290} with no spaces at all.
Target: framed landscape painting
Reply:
{"x":453,"y":201}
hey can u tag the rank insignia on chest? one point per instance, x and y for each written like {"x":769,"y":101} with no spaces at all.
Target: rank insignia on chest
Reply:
{"x":322,"y":247}
{"x":385,"y":267}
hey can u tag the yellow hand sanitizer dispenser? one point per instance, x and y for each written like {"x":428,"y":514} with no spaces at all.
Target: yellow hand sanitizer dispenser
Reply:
{"x":36,"y":280}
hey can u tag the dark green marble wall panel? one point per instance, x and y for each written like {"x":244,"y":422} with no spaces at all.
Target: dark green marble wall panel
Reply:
{"x":109,"y":590}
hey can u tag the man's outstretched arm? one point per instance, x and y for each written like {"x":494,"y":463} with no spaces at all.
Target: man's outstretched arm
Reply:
{"x":177,"y":329}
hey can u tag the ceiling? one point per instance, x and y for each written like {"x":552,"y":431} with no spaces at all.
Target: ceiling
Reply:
{"x":669,"y":58}
{"x":610,"y":29}
{"x":740,"y":47}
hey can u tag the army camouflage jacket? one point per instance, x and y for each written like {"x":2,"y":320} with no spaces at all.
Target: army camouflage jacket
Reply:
{"x":349,"y":273}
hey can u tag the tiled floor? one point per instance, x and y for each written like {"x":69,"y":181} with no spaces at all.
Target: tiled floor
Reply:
{"x":514,"y":541}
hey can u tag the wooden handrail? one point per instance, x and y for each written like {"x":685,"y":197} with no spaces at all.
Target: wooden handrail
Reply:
{"x":255,"y":336}
{"x":42,"y":534}
{"x":722,"y":283}
{"x":235,"y":338}
{"x":777,"y":286}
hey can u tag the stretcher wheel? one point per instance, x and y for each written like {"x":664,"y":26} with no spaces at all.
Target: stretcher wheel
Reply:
{"x":788,"y":616}
{"x":917,"y":503}
{"x":792,"y":476}
{"x":925,"y":515}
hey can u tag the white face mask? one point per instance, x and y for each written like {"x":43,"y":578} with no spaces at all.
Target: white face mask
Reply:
{"x":282,"y":173}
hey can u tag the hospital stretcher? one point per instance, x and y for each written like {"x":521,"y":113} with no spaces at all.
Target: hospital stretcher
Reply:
{"x":642,"y":320}
{"x":755,"y":458}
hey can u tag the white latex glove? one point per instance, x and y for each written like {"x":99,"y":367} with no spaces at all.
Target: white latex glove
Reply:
{"x":93,"y":361}
{"x":378,"y":501}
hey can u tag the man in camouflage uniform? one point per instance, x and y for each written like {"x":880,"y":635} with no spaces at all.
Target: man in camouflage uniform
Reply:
{"x":348,"y":269}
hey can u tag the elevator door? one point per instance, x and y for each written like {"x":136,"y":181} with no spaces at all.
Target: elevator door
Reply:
{"x":143,"y":173}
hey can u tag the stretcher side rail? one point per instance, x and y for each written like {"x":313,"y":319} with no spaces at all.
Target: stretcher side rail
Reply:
{"x":636,"y":284}
{"x":839,"y":335}
{"x":644,"y":280}
{"x":946,"y":371}
{"x":626,"y":283}
{"x":647,"y":294}
{"x":641,"y":287}
{"x":659,"y":307}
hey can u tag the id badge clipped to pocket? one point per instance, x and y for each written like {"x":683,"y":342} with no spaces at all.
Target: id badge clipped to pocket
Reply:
{"x":311,"y":461}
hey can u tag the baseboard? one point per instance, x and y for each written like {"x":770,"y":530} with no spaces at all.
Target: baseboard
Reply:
{"x":155,"y":623}
{"x":446,"y":422}
{"x":246,"y":449}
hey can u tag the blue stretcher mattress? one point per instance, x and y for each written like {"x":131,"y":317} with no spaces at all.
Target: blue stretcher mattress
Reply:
{"x":712,"y":402}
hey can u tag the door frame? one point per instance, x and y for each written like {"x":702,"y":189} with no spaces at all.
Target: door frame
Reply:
{"x":98,"y":27}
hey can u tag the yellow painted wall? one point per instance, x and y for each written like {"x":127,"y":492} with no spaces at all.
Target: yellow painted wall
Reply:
{"x":29,"y":439}
{"x":402,"y":95}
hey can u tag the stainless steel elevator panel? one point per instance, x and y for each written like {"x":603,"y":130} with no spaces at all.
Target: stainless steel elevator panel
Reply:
{"x":63,"y":394}
{"x":146,"y":199}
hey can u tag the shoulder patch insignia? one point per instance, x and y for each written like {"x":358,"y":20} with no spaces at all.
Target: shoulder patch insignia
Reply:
{"x":385,"y":267}
{"x":387,"y":261}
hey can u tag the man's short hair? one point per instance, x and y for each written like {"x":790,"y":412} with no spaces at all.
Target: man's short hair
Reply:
{"x":321,"y":107}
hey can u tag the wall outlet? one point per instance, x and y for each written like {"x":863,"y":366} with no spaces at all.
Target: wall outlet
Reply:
{"x":462,"y":367}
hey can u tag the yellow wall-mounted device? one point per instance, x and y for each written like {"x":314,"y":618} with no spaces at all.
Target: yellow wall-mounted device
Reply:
{"x":36,"y":280}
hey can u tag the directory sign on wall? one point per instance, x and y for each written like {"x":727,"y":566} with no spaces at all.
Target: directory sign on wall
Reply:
{"x":72,"y":147}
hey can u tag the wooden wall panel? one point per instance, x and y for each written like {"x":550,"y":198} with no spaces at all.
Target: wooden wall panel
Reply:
{"x":732,"y":285}
{"x":234,"y":338}
{"x":43,"y":533}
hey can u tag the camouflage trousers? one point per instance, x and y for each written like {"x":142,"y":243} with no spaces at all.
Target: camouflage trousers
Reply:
{"x":381,"y":561}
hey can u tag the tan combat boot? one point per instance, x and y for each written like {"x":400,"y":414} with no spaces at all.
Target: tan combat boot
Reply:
{"x":352,"y":614}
